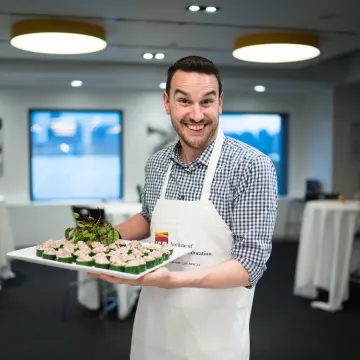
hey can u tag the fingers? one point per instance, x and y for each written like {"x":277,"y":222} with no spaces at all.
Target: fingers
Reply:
{"x":114,"y":280}
{"x":94,"y":275}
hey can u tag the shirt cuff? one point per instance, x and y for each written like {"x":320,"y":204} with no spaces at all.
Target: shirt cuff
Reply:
{"x":145,"y":215}
{"x":255,"y":272}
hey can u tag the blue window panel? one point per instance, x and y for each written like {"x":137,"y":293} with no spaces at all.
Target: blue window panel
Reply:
{"x":75,"y":154}
{"x":265,"y":132}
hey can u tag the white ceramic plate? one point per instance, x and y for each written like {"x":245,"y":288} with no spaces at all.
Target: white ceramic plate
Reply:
{"x":29,"y":255}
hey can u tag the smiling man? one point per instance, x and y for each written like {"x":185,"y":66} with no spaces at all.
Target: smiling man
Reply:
{"x":217,"y":196}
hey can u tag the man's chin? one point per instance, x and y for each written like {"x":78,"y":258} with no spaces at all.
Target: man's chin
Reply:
{"x":195,"y":144}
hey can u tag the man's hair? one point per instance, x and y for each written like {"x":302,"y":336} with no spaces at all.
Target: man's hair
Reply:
{"x":193,"y":64}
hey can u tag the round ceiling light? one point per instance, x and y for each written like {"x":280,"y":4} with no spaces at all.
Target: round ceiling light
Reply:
{"x":276,"y":47}
{"x":194,"y":8}
{"x":57,"y":37}
{"x":259,"y":88}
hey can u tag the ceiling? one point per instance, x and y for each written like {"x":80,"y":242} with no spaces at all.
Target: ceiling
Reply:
{"x":137,"y":26}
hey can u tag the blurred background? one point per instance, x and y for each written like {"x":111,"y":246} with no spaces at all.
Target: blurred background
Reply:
{"x":76,"y":130}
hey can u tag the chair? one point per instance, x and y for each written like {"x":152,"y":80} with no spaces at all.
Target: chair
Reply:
{"x":139,"y":192}
{"x":107,"y":302}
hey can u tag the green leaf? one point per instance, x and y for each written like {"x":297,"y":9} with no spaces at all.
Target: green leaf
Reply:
{"x":67,"y":233}
{"x":80,"y":224}
{"x":76,"y":215}
{"x":90,"y":218}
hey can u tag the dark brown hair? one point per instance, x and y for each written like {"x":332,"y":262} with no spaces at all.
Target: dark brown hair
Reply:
{"x":193,"y":64}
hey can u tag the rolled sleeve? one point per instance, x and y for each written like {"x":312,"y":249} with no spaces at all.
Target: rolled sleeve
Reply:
{"x":254,"y":216}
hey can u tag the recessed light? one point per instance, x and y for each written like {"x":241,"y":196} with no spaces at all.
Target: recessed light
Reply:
{"x":148,"y":56}
{"x":76,"y":83}
{"x":211,"y":9}
{"x":259,"y":88}
{"x":159,"y":56}
{"x":162,"y":85}
{"x":193,"y":8}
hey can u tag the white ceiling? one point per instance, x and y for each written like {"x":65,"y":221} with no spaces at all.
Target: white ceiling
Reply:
{"x":136,"y":26}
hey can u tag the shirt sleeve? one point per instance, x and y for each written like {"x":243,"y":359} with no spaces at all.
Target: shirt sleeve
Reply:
{"x":254,"y":216}
{"x":145,"y":210}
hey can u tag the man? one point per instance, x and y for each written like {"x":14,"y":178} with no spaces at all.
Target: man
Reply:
{"x":218,"y":196}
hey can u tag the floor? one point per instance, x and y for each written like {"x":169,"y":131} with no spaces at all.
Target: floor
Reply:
{"x":282,"y":326}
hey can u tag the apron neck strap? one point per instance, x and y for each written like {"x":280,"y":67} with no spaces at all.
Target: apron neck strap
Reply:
{"x":166,"y":180}
{"x":210,"y":172}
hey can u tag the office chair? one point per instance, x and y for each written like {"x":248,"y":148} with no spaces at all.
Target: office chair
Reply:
{"x":139,"y":192}
{"x":107,"y":302}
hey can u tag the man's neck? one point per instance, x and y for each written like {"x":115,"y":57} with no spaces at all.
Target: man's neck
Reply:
{"x":188,"y":154}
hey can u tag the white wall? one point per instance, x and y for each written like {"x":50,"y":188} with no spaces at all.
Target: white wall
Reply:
{"x":306,"y":155}
{"x":139,"y":109}
{"x":318,"y":113}
{"x":346,"y":172}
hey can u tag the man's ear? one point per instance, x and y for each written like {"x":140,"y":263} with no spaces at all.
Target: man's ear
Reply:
{"x":166,"y":102}
{"x":221,"y":98}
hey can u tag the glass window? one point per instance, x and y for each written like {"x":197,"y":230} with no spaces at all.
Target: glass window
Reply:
{"x":265,"y":132}
{"x":75,"y":154}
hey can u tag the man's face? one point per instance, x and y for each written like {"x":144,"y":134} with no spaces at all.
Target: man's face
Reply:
{"x":194,"y":106}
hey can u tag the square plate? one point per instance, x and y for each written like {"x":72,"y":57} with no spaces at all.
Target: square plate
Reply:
{"x":29,"y":255}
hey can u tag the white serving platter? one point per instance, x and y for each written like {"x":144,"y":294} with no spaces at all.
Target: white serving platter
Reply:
{"x":29,"y":255}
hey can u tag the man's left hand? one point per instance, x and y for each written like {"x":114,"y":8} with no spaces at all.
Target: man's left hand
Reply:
{"x":158,"y":278}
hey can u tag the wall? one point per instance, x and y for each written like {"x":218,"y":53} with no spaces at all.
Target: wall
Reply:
{"x":141,"y":108}
{"x":318,"y":113}
{"x":346,"y":172}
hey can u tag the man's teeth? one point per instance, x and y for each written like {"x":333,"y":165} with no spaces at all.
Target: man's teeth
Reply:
{"x":195,"y":127}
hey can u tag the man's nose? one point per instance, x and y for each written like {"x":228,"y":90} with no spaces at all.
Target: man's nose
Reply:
{"x":196,"y":113}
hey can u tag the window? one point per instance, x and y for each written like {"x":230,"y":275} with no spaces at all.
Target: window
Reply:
{"x":265,"y":132}
{"x":75,"y":154}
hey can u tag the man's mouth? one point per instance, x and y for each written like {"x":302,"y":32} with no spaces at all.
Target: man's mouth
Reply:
{"x":195,"y":127}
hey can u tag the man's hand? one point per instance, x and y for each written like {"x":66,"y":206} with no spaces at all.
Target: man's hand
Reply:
{"x":226,"y":275}
{"x":158,"y":278}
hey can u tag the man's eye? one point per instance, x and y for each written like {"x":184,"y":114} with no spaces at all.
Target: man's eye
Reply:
{"x":184,"y":101}
{"x":208,"y":101}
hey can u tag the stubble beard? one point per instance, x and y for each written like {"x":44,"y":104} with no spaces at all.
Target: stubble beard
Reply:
{"x":195,"y":144}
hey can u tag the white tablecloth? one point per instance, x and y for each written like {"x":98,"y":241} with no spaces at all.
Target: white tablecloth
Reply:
{"x":6,"y":242}
{"x":325,"y":250}
{"x":88,"y":292}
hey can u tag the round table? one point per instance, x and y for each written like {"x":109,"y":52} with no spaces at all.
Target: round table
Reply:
{"x":325,"y":250}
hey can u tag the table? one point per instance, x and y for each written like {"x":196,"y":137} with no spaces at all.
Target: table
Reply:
{"x":88,"y":291}
{"x":325,"y":250}
{"x":6,"y":242}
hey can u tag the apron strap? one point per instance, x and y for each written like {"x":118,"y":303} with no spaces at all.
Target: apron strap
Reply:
{"x":210,"y":173}
{"x":166,"y":180}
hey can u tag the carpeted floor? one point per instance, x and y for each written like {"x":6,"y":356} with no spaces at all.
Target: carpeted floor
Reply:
{"x":283,"y":327}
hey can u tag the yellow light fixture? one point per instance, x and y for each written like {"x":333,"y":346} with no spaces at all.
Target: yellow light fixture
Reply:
{"x":276,"y":47}
{"x":57,"y":37}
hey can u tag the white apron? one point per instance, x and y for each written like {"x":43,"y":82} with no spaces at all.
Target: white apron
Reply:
{"x":189,"y":323}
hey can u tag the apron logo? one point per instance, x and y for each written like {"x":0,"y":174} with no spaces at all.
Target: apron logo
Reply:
{"x":161,"y":237}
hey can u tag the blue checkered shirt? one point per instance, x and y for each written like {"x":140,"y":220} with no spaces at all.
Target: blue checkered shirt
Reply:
{"x":243,"y":191}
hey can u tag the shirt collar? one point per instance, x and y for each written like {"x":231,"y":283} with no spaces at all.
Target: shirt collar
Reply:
{"x":204,"y":158}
